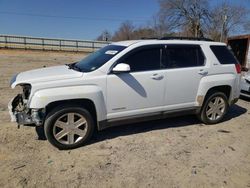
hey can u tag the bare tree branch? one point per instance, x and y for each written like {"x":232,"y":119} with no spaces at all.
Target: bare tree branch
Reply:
{"x":191,"y":14}
{"x":226,"y":19}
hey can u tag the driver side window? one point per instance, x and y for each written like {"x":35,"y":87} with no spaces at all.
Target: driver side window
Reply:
{"x":144,"y":59}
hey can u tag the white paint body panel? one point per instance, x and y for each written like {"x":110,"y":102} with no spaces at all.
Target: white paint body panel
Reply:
{"x":46,"y":74}
{"x":182,"y":89}
{"x":44,"y":97}
{"x":134,"y":93}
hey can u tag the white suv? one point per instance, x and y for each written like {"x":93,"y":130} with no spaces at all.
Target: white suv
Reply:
{"x":126,"y":82}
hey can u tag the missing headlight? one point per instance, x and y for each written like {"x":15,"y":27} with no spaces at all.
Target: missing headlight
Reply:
{"x":26,"y":90}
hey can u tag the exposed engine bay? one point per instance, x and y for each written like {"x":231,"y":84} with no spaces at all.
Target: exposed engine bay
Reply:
{"x":20,"y":112}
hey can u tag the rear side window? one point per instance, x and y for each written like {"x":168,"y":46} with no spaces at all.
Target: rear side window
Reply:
{"x":181,"y":56}
{"x":223,"y":55}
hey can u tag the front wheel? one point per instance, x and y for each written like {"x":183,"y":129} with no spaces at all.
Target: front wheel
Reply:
{"x":214,"y":108}
{"x":68,"y":127}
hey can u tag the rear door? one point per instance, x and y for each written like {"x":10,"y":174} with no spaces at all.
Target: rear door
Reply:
{"x":184,"y":68}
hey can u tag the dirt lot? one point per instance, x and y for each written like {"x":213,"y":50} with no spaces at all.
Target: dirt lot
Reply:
{"x":176,"y":152}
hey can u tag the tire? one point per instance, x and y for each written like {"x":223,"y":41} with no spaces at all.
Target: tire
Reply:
{"x":214,"y":108}
{"x":69,"y":127}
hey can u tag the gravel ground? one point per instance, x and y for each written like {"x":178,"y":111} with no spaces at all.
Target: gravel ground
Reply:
{"x":175,"y":152}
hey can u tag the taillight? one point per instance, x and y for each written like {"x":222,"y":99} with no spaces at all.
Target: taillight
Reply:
{"x":238,"y":68}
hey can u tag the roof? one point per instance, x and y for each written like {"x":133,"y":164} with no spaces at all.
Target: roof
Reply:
{"x":155,"y":41}
{"x":126,"y":42}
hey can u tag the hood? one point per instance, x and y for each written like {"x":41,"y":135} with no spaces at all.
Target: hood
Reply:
{"x":44,"y":75}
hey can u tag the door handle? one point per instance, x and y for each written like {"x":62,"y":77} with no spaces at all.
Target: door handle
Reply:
{"x":203,"y":72}
{"x":157,"y":77}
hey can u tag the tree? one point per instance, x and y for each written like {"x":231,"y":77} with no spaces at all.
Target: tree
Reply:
{"x":128,"y":31}
{"x":143,"y":32}
{"x":159,"y":26}
{"x":124,"y":32}
{"x":190,"y":18}
{"x":225,"y":19}
{"x":104,"y":36}
{"x":188,"y":14}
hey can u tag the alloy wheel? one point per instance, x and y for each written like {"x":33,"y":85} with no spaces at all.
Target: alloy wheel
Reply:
{"x":70,"y":128}
{"x":215,"y":108}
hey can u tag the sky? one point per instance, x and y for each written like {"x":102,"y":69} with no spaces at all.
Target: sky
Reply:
{"x":75,"y":19}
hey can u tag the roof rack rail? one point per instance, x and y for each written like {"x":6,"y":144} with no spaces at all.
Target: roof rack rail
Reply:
{"x":186,"y":38}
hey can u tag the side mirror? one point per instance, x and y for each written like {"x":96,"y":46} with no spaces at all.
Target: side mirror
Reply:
{"x":121,"y":68}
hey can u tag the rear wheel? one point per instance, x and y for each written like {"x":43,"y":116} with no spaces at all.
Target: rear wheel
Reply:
{"x":214,"y":108}
{"x":69,"y":127}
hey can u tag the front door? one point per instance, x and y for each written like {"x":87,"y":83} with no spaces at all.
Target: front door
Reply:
{"x":141,"y":90}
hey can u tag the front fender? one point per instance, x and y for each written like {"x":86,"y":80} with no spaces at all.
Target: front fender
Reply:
{"x":41,"y":98}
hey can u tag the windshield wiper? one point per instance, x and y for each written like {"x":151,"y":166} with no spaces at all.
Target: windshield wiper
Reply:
{"x":74,"y":67}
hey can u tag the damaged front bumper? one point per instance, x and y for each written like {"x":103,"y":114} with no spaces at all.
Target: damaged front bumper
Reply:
{"x":24,"y":116}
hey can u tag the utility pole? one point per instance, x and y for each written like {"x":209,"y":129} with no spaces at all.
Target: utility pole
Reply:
{"x":223,"y":25}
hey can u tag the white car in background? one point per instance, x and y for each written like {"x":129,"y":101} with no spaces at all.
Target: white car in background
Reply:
{"x":245,"y":85}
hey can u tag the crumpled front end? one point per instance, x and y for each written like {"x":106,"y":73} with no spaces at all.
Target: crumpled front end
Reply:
{"x":19,"y":111}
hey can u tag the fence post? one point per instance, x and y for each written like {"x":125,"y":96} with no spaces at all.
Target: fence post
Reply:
{"x":5,"y":40}
{"x":60,"y":44}
{"x":24,"y":40}
{"x":43,"y":44}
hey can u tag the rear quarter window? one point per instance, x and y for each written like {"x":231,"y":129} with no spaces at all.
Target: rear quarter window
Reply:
{"x":223,"y":54}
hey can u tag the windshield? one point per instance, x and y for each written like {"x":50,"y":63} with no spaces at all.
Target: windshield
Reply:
{"x":99,"y":58}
